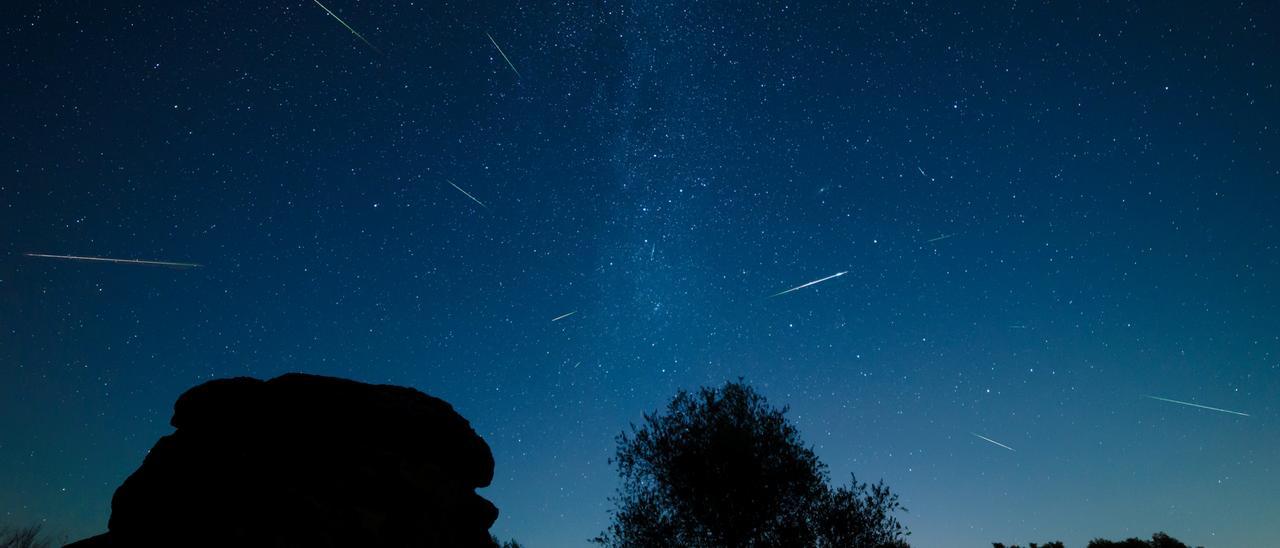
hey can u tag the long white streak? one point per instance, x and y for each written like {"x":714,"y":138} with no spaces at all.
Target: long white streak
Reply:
{"x":563,"y":316}
{"x":1197,"y":405}
{"x":504,"y":55}
{"x":344,"y":23}
{"x":995,"y":442}
{"x":110,"y":260}
{"x":836,"y":275}
{"x":473,"y":198}
{"x":942,"y":237}
{"x":918,"y":168}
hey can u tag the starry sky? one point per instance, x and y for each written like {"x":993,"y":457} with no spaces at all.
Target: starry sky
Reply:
{"x":1045,"y":211}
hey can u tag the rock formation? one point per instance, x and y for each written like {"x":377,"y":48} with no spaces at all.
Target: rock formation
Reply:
{"x":308,"y":461}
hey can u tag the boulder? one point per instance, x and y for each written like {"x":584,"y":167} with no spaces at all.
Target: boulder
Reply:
{"x":304,"y":460}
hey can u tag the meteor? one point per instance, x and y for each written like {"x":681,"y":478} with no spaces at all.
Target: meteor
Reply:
{"x":344,"y":23}
{"x":110,"y":260}
{"x":1197,"y":405}
{"x":504,"y":55}
{"x":563,"y":316}
{"x":942,"y":237}
{"x":473,"y":198}
{"x":836,"y":275}
{"x":994,"y":441}
{"x":921,"y":170}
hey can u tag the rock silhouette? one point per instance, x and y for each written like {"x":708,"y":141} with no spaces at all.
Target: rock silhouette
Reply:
{"x":306,"y":460}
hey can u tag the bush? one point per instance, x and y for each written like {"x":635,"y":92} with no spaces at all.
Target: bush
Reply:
{"x":24,"y":537}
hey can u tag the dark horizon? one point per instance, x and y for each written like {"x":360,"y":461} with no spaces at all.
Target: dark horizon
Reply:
{"x":1056,"y":227}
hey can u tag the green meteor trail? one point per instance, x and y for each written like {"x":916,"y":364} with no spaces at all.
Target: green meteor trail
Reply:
{"x":503,"y":54}
{"x":468,"y":194}
{"x":110,"y":260}
{"x":1189,"y":404}
{"x":344,"y":23}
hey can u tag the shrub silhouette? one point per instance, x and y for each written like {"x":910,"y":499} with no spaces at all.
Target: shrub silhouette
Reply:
{"x":1054,"y":544}
{"x":721,"y":468}
{"x":23,"y":537}
{"x":1158,"y":540}
{"x":507,"y":544}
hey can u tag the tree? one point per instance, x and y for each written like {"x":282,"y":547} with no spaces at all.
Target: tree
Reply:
{"x":1053,"y":544}
{"x":1158,"y":540}
{"x":23,"y":537}
{"x":721,"y":468}
{"x":507,"y":544}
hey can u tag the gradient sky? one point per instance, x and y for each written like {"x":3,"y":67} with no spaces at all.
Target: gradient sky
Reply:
{"x":1046,"y":211}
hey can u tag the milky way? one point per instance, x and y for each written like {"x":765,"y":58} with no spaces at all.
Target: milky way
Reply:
{"x":1045,"y":213}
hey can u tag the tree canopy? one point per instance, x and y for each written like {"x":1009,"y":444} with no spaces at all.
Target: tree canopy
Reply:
{"x":721,"y":468}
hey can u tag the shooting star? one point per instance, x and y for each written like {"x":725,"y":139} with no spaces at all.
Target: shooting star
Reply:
{"x":344,"y":23}
{"x":836,"y":275}
{"x":994,"y":441}
{"x":473,"y":198}
{"x":563,"y":316}
{"x":942,"y":237}
{"x":504,"y":55}
{"x":921,"y":170}
{"x":1017,"y":327}
{"x":1197,"y":405}
{"x":117,"y":261}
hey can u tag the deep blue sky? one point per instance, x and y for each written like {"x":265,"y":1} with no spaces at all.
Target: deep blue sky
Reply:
{"x":1104,"y":180}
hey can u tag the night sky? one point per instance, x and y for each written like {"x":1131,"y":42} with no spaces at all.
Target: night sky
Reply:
{"x":1045,"y":211}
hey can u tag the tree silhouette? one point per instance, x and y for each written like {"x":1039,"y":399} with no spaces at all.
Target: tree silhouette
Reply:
{"x":1053,"y":544}
{"x":504,"y":544}
{"x":23,"y":537}
{"x":1158,"y":540}
{"x":721,"y":468}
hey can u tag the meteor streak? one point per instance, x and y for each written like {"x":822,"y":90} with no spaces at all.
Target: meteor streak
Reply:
{"x":504,"y":55}
{"x":344,"y":23}
{"x":110,"y":260}
{"x":563,"y":316}
{"x":942,"y":237}
{"x":836,"y":275}
{"x":994,"y":441}
{"x":473,"y":198}
{"x":1197,"y":405}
